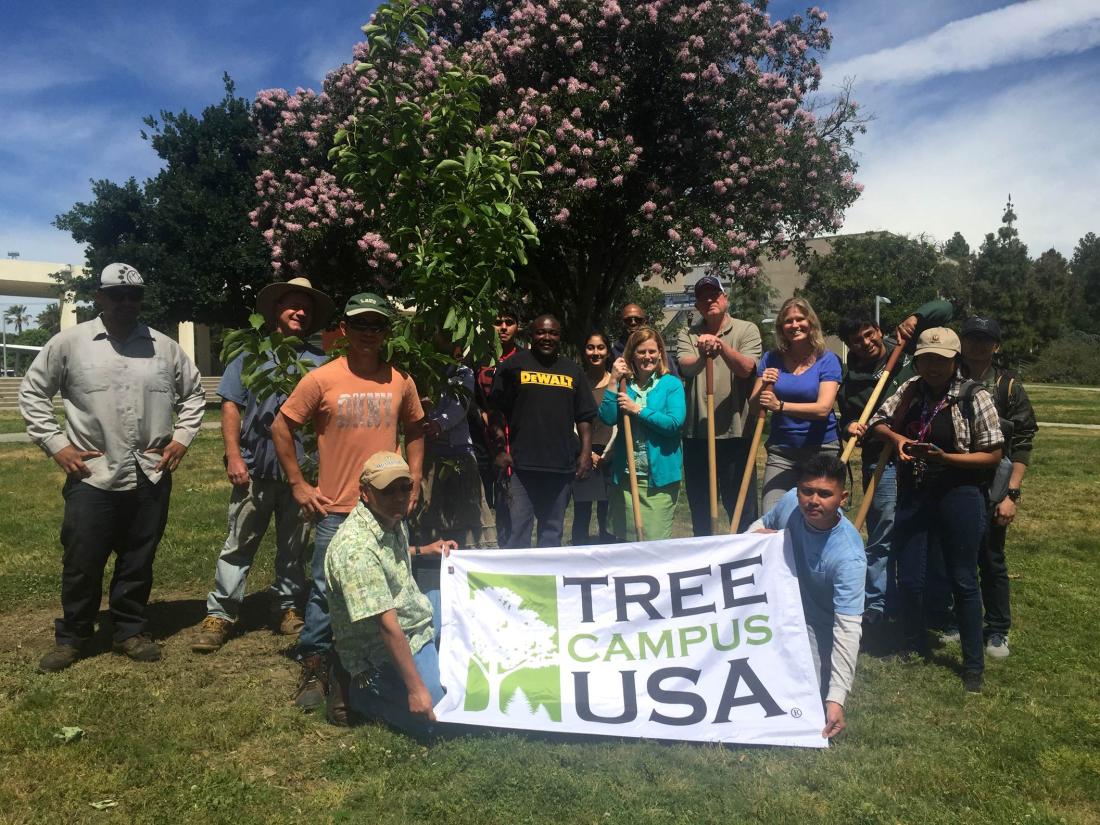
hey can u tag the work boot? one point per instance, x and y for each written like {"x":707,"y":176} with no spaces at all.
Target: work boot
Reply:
{"x":213,"y":632}
{"x":339,"y":685}
{"x":140,"y":648}
{"x":59,"y":658}
{"x":312,"y":683}
{"x":291,"y":622}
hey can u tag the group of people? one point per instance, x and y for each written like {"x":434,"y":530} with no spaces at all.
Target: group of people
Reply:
{"x":500,"y":454}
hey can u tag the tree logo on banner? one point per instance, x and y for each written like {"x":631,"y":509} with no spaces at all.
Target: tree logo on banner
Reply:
{"x":514,"y":637}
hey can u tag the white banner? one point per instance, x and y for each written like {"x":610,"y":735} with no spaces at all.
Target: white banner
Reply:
{"x":700,"y":639}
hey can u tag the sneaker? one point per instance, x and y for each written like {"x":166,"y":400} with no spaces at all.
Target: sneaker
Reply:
{"x":313,"y":683}
{"x":213,"y":632}
{"x":140,"y":648}
{"x":997,"y":646}
{"x":972,"y":681}
{"x":59,"y":658}
{"x":291,"y":622}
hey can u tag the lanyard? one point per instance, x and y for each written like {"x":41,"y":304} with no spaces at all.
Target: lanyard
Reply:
{"x":927,"y":417}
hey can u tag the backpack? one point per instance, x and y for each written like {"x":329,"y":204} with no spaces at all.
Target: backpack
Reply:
{"x":997,"y":487}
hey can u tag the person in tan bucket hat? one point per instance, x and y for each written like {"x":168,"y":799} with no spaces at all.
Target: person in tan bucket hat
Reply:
{"x":260,"y":490}
{"x":272,"y":295}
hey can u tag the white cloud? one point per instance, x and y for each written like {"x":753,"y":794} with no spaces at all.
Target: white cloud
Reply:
{"x":953,"y":171}
{"x":1022,"y":31}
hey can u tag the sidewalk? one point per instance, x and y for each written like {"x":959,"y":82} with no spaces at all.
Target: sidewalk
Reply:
{"x":23,"y":438}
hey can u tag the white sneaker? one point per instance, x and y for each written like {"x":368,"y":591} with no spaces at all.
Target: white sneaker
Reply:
{"x":997,"y":646}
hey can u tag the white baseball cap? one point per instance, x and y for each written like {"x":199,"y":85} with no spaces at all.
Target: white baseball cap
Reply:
{"x":120,"y":275}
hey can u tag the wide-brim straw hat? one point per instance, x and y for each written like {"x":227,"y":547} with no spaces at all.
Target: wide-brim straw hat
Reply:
{"x":270,"y":295}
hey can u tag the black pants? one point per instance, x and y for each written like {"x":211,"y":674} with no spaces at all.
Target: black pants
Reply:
{"x":97,"y":523}
{"x":993,"y":575}
{"x":731,"y":455}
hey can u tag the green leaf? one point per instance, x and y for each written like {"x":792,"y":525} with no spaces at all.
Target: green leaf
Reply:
{"x":69,"y":734}
{"x":503,"y":209}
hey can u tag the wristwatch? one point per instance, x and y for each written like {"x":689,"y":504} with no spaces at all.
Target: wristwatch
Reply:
{"x":1014,"y":493}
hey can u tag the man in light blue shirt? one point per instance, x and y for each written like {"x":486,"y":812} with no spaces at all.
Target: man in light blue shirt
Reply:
{"x":831,"y":567}
{"x":260,"y":491}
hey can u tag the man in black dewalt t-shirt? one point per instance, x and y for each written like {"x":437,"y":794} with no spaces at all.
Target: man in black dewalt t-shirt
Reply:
{"x":541,"y":396}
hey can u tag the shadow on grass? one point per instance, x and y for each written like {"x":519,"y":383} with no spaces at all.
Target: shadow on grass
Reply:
{"x":169,"y":617}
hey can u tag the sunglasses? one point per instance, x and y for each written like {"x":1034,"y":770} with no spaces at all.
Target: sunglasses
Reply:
{"x":395,"y":490}
{"x":119,"y":294}
{"x":506,"y":321}
{"x":368,"y":326}
{"x":633,"y":320}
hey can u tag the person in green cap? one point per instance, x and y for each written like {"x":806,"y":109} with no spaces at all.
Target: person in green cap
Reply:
{"x":358,"y":404}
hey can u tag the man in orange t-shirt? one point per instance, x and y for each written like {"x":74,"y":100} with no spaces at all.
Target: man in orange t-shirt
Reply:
{"x":357,"y":405}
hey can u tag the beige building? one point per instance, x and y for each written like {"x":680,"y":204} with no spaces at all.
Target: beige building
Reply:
{"x":34,"y":279}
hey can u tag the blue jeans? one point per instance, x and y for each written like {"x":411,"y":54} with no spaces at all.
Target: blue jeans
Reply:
{"x":950,"y":522}
{"x":385,"y":697}
{"x":250,"y":512}
{"x":881,"y":561}
{"x":532,"y":496}
{"x":316,"y":636}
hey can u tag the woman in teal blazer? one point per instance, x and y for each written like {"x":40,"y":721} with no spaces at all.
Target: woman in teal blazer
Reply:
{"x":655,"y":401}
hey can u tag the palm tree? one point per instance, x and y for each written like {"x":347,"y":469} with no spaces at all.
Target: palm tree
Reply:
{"x":50,"y":318}
{"x":18,"y":315}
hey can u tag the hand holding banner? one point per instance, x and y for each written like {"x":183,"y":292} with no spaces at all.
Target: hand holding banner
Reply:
{"x":709,"y":644}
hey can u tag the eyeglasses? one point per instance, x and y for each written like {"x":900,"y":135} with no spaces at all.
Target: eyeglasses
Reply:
{"x":395,"y":490}
{"x":633,"y":320}
{"x":119,"y":294}
{"x":368,"y":326}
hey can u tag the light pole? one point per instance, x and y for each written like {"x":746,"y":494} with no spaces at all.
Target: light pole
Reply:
{"x":4,"y":317}
{"x":879,"y":299}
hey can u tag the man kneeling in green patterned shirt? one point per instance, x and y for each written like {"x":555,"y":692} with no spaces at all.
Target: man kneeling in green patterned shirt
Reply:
{"x":383,"y":625}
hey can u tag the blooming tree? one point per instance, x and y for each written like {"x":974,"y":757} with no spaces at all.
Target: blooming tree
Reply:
{"x":404,"y":193}
{"x":676,"y":133}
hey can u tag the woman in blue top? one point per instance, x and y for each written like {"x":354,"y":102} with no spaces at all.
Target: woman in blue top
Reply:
{"x":657,"y":406}
{"x":798,"y":383}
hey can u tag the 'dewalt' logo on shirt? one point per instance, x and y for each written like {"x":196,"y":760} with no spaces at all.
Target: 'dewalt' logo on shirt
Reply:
{"x":546,"y":379}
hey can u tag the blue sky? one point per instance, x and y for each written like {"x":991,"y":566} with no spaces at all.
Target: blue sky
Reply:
{"x":971,"y":100}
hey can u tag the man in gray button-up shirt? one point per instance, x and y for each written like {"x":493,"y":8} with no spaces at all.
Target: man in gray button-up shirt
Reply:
{"x":133,"y":403}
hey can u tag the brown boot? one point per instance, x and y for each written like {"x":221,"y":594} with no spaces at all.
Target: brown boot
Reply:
{"x":339,"y":685}
{"x":213,"y":632}
{"x":291,"y":622}
{"x":139,"y":648}
{"x":313,"y":682}
{"x":59,"y":658}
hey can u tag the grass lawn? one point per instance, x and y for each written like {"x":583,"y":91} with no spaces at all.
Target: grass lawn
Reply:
{"x":215,"y":739}
{"x":1075,"y":406}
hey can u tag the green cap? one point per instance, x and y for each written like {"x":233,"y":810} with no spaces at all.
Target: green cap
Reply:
{"x":368,"y":302}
